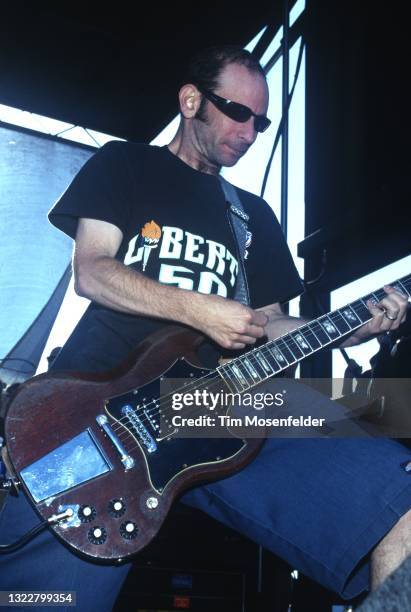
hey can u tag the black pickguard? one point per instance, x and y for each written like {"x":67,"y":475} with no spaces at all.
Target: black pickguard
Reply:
{"x":172,"y":455}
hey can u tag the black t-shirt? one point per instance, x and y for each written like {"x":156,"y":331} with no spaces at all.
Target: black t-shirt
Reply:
{"x":175,"y":230}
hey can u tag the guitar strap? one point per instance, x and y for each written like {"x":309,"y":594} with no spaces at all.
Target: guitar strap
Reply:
{"x":238,"y":220}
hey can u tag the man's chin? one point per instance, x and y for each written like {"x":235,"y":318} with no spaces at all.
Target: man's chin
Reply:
{"x":229,"y":163}
{"x":230,"y":157}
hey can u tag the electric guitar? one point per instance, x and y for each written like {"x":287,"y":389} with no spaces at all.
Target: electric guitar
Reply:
{"x":97,"y":454}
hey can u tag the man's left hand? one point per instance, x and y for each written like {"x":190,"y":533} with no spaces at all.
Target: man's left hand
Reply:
{"x":387,"y":315}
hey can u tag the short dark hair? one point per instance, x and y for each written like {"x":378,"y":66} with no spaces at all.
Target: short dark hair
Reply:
{"x":205,"y":67}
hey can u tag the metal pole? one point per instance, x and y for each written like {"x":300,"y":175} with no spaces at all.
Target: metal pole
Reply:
{"x":260,"y":569}
{"x":284,"y":140}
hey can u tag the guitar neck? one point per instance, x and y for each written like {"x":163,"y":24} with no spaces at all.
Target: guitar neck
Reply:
{"x":258,"y":365}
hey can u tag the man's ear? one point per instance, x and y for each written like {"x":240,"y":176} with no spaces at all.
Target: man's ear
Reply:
{"x":190,"y":100}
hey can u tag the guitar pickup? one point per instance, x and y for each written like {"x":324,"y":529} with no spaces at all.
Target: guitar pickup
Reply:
{"x":139,"y":429}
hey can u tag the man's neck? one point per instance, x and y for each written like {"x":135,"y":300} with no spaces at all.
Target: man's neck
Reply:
{"x":192,"y":157}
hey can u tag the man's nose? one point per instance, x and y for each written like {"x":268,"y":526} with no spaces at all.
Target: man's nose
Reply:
{"x":248,"y":132}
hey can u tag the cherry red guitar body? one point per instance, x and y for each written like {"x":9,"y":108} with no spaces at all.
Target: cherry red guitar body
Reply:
{"x":88,"y":446}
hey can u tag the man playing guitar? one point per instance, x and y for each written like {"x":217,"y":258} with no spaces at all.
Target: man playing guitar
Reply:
{"x":153,"y":245}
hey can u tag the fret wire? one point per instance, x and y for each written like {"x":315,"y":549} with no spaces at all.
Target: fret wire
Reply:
{"x":304,"y":339}
{"x":273,"y":357}
{"x":368,"y":297}
{"x":276,"y":348}
{"x":256,"y":364}
{"x":311,"y":327}
{"x":349,"y":316}
{"x":268,"y":348}
{"x":359,"y":304}
{"x":293,"y":344}
{"x":327,"y":316}
{"x":401,"y":284}
{"x":246,"y":362}
{"x":253,"y":383}
{"x":353,"y":311}
{"x":369,"y":315}
{"x":337,"y":316}
{"x":299,"y":331}
{"x":265,"y":348}
{"x":284,"y":354}
{"x":341,"y":313}
{"x":380,"y":293}
{"x":289,"y":349}
{"x":367,"y":312}
{"x":240,"y":376}
{"x":286,"y":341}
{"x":239,"y":362}
{"x":271,"y":370}
{"x":282,"y":357}
{"x":315,"y":335}
{"x":233,"y":379}
{"x":406,"y":280}
{"x":344,"y":319}
{"x":337,"y":313}
{"x":321,"y":326}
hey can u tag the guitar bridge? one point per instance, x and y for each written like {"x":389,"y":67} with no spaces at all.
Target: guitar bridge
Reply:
{"x":126,"y":459}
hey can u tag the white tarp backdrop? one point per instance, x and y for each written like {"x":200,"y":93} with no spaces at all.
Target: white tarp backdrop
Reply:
{"x":34,"y":171}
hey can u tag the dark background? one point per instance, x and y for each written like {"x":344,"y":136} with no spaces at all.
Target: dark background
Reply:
{"x":113,"y":67}
{"x":116,"y":68}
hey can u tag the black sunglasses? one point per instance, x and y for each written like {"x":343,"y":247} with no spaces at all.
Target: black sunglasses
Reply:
{"x":234,"y":110}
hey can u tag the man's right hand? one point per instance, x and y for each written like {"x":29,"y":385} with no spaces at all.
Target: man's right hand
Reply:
{"x":231,"y":324}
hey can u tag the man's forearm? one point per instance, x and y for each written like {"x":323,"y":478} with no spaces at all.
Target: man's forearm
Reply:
{"x":112,"y":284}
{"x":280,"y":323}
{"x":283,"y":325}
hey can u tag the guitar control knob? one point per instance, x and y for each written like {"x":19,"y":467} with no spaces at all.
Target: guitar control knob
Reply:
{"x":116,"y":507}
{"x":97,"y":535}
{"x":128,"y":530}
{"x":152,"y":503}
{"x":86,"y":514}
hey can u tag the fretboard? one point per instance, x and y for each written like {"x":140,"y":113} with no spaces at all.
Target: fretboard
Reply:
{"x":258,"y":365}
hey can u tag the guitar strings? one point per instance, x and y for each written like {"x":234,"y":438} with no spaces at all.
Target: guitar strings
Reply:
{"x":287,"y":340}
{"x":196,"y":383}
{"x":215,"y":380}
